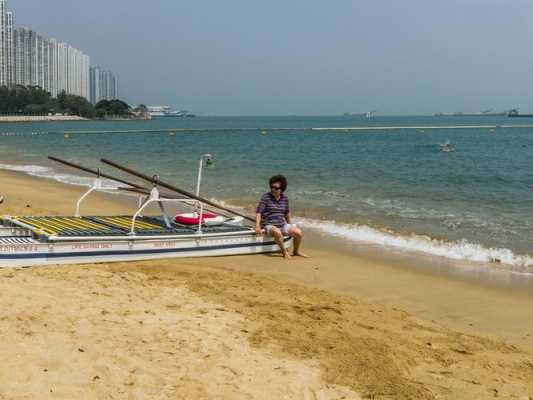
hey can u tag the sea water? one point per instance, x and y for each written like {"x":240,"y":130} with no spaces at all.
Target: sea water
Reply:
{"x":392,"y":187}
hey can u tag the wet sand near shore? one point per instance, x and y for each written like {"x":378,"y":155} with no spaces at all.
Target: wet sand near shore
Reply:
{"x":469,"y":307}
{"x":329,"y":327}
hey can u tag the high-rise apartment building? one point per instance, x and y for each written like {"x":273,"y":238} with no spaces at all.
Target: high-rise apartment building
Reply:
{"x":95,"y":84}
{"x":49,"y":64}
{"x":10,"y":48}
{"x":6,"y":45}
{"x":30,"y":59}
{"x":104,"y":85}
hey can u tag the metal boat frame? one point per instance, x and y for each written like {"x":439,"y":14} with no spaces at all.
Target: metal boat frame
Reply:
{"x":30,"y":241}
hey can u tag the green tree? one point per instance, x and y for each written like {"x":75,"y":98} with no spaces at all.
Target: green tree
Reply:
{"x":34,"y":100}
{"x":112,"y":107}
{"x":15,"y":100}
{"x":77,"y":105}
{"x":36,"y":109}
{"x":4,"y":99}
{"x":61,"y":99}
{"x":141,"y":108}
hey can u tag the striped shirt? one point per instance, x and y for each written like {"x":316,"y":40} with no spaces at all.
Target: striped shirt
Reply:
{"x":273,"y":212}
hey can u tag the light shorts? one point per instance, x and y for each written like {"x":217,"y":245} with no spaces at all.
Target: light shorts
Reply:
{"x":284,"y":229}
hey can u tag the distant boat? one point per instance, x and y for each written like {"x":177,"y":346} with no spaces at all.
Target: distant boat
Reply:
{"x":368,"y":114}
{"x":447,"y":147}
{"x":166,"y":111}
{"x":514,"y":113}
{"x":486,"y":113}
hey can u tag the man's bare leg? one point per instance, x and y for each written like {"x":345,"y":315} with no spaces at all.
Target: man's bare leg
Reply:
{"x":297,"y":235}
{"x":278,"y":238}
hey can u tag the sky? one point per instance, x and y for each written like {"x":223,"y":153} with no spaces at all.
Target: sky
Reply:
{"x":303,"y":57}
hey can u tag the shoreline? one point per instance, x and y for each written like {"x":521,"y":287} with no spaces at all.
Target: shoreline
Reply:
{"x":463,"y":253}
{"x":486,"y":275}
{"x":61,"y":118}
{"x":397,"y":269}
{"x":40,"y":118}
{"x":322,"y":323}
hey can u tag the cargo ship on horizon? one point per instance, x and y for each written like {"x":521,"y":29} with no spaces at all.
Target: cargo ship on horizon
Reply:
{"x":515,"y":113}
{"x":368,"y":114}
{"x":486,"y":113}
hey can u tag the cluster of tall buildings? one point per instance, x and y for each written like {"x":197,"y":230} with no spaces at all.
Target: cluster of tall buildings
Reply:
{"x":30,"y":59}
{"x":104,"y":85}
{"x":52,"y":65}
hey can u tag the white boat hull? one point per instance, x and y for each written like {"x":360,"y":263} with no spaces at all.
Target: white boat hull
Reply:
{"x":34,"y":253}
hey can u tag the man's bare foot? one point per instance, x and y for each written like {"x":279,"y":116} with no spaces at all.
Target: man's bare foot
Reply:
{"x":286,"y":255}
{"x":300,"y":254}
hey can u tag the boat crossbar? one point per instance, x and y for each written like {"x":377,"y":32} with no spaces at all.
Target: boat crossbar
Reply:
{"x":153,"y":197}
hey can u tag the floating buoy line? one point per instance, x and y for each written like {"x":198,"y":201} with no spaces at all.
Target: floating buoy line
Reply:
{"x":264,"y":131}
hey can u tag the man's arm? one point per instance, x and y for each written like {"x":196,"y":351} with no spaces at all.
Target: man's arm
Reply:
{"x":258,"y":212}
{"x":288,"y":217}
{"x":258,"y":223}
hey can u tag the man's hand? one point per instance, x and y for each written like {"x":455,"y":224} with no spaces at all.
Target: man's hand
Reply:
{"x":258,"y":231}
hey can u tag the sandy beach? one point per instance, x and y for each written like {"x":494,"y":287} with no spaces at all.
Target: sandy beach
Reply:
{"x":338,"y":325}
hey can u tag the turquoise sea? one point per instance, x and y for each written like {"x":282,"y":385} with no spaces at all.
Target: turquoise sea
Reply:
{"x":391,"y":187}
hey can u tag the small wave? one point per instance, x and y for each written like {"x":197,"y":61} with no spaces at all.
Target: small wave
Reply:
{"x":460,"y":250}
{"x":463,"y":218}
{"x":45,"y":172}
{"x":395,"y":207}
{"x":29,"y":169}
{"x":225,"y":204}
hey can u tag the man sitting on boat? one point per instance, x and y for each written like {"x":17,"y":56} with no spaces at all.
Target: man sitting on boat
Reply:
{"x":274,"y":217}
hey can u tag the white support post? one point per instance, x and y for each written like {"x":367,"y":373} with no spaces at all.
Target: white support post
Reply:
{"x":199,"y":180}
{"x":97,"y":185}
{"x":164,"y":214}
{"x":154,"y":198}
{"x":200,"y":217}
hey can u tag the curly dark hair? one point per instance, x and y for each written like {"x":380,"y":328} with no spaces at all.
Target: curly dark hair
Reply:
{"x":279,"y":179}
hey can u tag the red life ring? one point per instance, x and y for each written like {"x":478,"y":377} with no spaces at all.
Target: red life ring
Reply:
{"x":192,"y":218}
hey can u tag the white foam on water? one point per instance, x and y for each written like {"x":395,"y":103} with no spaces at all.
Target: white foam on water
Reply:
{"x":459,"y":250}
{"x":49,"y":173}
{"x":29,"y":169}
{"x":222,"y":203}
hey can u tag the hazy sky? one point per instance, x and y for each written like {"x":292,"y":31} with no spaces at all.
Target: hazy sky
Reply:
{"x":248,"y":57}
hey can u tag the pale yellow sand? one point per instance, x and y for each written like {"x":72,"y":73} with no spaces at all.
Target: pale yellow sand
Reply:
{"x":212,"y":329}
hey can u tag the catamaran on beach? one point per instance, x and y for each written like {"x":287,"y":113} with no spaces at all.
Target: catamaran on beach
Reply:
{"x":73,"y":239}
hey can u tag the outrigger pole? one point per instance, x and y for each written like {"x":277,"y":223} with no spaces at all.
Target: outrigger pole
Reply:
{"x":147,"y":192}
{"x":138,"y":188}
{"x":95,"y":172}
{"x":156,"y":181}
{"x":134,"y":188}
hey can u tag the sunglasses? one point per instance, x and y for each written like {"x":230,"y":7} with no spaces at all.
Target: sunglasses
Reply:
{"x":275,"y":187}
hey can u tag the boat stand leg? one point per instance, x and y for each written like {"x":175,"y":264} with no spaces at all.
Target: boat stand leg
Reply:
{"x":164,"y":214}
{"x":142,"y":201}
